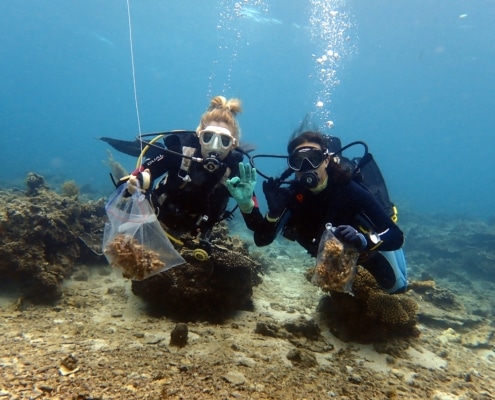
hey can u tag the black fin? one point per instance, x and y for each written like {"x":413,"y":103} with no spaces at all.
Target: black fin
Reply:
{"x":132,"y":147}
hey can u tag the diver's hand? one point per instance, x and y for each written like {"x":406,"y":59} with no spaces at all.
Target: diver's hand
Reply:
{"x":276,"y":197}
{"x":348,"y":234}
{"x":241,"y":187}
{"x":141,"y":181}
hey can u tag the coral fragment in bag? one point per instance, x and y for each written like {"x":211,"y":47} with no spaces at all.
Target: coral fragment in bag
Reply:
{"x":336,"y":266}
{"x":136,"y":261}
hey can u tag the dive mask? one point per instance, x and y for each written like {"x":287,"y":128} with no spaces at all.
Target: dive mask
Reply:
{"x":216,"y":139}
{"x":306,"y":158}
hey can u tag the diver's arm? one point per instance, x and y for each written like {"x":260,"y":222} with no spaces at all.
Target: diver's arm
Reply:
{"x":159,"y":161}
{"x":157,"y":165}
{"x":264,"y":228}
{"x":241,"y":189}
{"x":153,"y":168}
{"x":215,"y":207}
{"x":386,"y":239}
{"x":385,"y":234}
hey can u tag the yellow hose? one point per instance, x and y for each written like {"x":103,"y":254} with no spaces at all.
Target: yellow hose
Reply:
{"x":145,"y":149}
{"x":174,"y":239}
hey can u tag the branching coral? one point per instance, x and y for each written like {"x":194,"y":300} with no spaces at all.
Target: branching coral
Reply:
{"x":393,"y":310}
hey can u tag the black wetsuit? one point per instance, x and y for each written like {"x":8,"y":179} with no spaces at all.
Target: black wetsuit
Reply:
{"x":339,"y":204}
{"x":190,"y":199}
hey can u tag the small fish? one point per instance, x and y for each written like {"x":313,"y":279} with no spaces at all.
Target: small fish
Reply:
{"x":256,"y":16}
{"x":103,"y":39}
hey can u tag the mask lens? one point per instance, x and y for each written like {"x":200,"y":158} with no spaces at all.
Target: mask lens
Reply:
{"x":226,"y":140}
{"x":313,"y":158}
{"x":207,"y":136}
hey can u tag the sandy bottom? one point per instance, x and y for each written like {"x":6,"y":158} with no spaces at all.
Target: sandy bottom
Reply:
{"x":100,"y":342}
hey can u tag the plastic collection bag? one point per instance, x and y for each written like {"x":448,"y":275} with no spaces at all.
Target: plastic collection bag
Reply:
{"x":134,"y":240}
{"x":335,"y":263}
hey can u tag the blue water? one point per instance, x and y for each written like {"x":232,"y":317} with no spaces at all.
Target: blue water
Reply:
{"x":415,"y":80}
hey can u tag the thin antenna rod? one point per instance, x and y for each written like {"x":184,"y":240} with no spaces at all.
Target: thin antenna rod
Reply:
{"x":133,"y":70}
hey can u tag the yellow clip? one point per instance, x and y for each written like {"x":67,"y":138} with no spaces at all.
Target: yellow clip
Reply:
{"x":395,"y":216}
{"x":200,"y":254}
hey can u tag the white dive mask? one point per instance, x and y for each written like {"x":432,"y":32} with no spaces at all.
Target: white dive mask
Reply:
{"x":216,"y":139}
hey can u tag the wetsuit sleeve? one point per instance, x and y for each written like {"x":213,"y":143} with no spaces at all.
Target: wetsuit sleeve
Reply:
{"x":380,"y":231}
{"x":264,"y":230}
{"x":215,"y":208}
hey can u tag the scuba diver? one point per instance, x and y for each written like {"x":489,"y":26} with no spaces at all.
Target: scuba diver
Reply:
{"x":324,"y":191}
{"x":191,"y":195}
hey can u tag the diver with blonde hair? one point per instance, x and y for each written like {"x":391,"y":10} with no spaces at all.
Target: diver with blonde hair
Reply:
{"x":186,"y":177}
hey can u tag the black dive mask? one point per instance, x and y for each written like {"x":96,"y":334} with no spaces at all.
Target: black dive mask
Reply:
{"x":212,"y":162}
{"x":309,"y":179}
{"x":306,"y":158}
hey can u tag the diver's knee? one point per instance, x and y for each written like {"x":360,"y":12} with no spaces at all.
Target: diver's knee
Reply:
{"x":390,"y":270}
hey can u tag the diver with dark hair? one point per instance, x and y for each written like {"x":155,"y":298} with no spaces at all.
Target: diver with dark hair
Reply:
{"x":191,"y":195}
{"x":322,"y":192}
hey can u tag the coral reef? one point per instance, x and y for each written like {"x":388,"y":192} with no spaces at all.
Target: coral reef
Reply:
{"x":43,"y":235}
{"x":442,"y":298}
{"x":456,"y":247}
{"x":421,"y":286}
{"x":209,"y":290}
{"x":371,"y":315}
{"x":69,"y":189}
{"x":35,"y":183}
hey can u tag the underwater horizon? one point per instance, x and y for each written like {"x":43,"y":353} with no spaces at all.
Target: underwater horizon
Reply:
{"x":413,"y":80}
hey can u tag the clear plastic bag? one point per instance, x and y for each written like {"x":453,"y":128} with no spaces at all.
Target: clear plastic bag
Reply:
{"x":335,"y":263}
{"x":133,"y":240}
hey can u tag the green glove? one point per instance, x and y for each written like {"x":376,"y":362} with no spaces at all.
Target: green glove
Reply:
{"x":241,"y":187}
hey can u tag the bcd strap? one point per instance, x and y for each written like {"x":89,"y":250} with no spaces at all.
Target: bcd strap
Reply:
{"x":186,"y":163}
